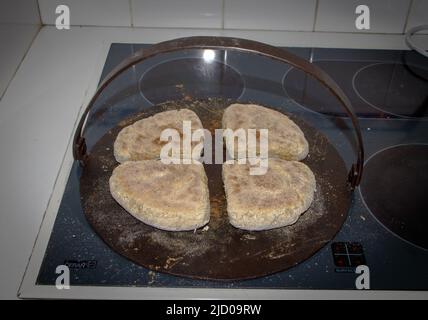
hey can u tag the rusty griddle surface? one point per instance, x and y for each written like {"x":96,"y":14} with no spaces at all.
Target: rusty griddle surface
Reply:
{"x":222,"y":252}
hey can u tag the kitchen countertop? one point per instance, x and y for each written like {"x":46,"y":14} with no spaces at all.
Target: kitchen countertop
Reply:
{"x":39,"y":110}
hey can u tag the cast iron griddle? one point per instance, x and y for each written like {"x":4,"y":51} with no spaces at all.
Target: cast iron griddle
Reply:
{"x":222,"y":252}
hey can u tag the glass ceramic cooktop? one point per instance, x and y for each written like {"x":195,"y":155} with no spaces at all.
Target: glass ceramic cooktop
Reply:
{"x":386,"y":225}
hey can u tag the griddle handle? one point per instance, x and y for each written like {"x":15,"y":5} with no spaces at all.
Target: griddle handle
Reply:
{"x":226,"y":43}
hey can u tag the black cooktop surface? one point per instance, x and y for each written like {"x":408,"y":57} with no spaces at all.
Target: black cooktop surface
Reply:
{"x":386,"y":226}
{"x":395,"y":190}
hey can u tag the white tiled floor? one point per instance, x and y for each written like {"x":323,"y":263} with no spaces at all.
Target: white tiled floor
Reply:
{"x":295,"y":15}
{"x":386,"y":16}
{"x":89,"y":12}
{"x":179,"y":13}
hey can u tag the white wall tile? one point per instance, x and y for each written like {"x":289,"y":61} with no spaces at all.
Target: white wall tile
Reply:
{"x":19,"y":24}
{"x":269,"y":14}
{"x":386,"y":16}
{"x":19,"y":12}
{"x":89,"y":12}
{"x":15,"y":40}
{"x":418,"y":14}
{"x":179,"y":13}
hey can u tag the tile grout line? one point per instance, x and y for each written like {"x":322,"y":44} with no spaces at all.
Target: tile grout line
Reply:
{"x":40,"y":13}
{"x":242,"y":30}
{"x":20,"y":62}
{"x":315,"y":15}
{"x":130,"y":13}
{"x":222,"y":13}
{"x":409,"y":9}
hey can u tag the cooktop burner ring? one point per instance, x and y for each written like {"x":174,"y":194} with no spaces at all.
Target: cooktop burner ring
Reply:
{"x":290,"y":96}
{"x":372,"y":210}
{"x":384,"y":109}
{"x":181,"y":87}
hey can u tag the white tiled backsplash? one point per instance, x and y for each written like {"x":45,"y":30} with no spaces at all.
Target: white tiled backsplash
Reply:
{"x":89,"y":12}
{"x":19,"y":24}
{"x":387,"y":16}
{"x":181,"y":14}
{"x":269,"y":15}
{"x":418,"y":14}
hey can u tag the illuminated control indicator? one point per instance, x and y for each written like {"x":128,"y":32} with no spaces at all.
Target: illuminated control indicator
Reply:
{"x":348,"y":254}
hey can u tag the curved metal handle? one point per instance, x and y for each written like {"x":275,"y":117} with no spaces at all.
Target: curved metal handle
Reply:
{"x":242,"y":45}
